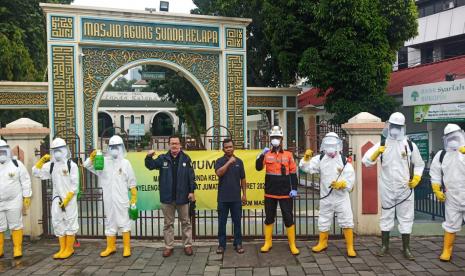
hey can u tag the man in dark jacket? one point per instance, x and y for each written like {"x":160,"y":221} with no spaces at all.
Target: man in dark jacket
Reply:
{"x":177,"y":185}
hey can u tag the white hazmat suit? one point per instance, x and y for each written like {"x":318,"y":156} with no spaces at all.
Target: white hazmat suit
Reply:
{"x":116,"y":179}
{"x":65,"y":188}
{"x":15,"y":187}
{"x":330,"y":166}
{"x":395,"y":181}
{"x":450,"y":173}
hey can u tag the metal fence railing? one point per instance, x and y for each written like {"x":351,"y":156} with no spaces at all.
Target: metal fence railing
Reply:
{"x":205,"y":222}
{"x":425,"y":200}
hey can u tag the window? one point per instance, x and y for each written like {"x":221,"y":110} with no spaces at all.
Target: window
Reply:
{"x":403,"y":58}
{"x":427,"y":55}
{"x":132,"y":119}
{"x":121,"y":118}
{"x":142,"y":119}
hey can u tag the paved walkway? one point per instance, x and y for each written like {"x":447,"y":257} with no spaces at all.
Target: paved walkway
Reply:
{"x":147,"y":260}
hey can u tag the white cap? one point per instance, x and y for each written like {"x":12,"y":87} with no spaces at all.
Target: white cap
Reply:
{"x":276,"y":131}
{"x":57,"y":143}
{"x":397,"y":118}
{"x":115,"y":140}
{"x":451,"y":128}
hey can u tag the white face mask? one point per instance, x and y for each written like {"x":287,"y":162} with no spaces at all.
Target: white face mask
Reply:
{"x":58,"y":155}
{"x":331,"y":152}
{"x":394,"y":132}
{"x":3,"y":158}
{"x":275,"y":142}
{"x":114,"y":153}
{"x":453,"y":145}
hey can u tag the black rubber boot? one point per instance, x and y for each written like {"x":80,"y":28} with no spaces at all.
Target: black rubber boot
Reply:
{"x":406,"y":247}
{"x":384,"y":243}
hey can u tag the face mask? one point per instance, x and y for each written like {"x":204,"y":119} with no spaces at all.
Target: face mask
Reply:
{"x":58,"y":155}
{"x":114,"y":153}
{"x":331,"y":152}
{"x":3,"y":159}
{"x":394,"y":132}
{"x":275,"y":142}
{"x":453,"y":145}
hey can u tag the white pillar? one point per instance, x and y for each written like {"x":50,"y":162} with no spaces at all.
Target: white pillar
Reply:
{"x":28,"y":135}
{"x":365,"y":129}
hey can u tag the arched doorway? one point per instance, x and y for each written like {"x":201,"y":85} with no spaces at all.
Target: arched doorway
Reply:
{"x":104,"y":121}
{"x":209,"y":51}
{"x":162,"y":125}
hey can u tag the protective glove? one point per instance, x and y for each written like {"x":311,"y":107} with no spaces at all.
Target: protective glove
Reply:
{"x":42,"y":161}
{"x":293,"y":193}
{"x":339,"y":185}
{"x":133,"y":195}
{"x":437,"y":191}
{"x":26,"y":202}
{"x":92,"y":155}
{"x":462,"y":149}
{"x":414,"y":182}
{"x":67,"y":199}
{"x":375,"y":154}
{"x":307,"y":155}
{"x":265,"y":150}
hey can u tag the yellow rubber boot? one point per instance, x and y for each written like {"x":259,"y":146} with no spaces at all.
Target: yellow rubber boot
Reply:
{"x":2,"y":241}
{"x":17,"y":237}
{"x":126,"y":244}
{"x":111,"y":247}
{"x":349,"y":235}
{"x":69,"y":249}
{"x":62,"y":241}
{"x":291,"y":239}
{"x":268,"y":238}
{"x":322,"y":242}
{"x":449,"y":239}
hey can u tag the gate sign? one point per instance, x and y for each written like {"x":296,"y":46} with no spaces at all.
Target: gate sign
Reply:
{"x":421,"y":140}
{"x":136,"y":130}
{"x":153,"y":75}
{"x":94,"y":29}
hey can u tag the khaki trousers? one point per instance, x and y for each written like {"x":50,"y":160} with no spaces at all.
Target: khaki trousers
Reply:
{"x":168,"y":228}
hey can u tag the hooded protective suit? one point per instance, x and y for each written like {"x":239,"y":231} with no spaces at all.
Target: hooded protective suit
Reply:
{"x":15,"y":184}
{"x":15,"y":187}
{"x":395,"y":176}
{"x":334,"y":197}
{"x":450,"y":173}
{"x":64,"y":182}
{"x":116,"y":178}
{"x":331,"y":168}
{"x":396,"y":181}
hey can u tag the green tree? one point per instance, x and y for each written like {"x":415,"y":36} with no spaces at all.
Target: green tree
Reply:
{"x":121,"y":84}
{"x":177,"y":89}
{"x":261,"y":65}
{"x":351,"y":58}
{"x":23,"y":49}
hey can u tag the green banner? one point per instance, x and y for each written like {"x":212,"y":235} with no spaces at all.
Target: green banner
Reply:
{"x":421,"y":140}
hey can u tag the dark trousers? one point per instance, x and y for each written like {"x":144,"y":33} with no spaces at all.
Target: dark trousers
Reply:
{"x":236,"y":214}
{"x":286,"y":204}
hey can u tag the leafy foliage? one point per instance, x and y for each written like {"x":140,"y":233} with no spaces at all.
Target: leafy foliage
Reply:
{"x":23,"y":49}
{"x":177,"y":89}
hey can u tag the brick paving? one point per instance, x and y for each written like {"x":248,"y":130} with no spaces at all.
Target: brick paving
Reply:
{"x":147,"y":260}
